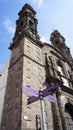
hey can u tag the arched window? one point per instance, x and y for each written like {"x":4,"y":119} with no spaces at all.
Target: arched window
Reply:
{"x":69,"y":109}
{"x":32,"y":26}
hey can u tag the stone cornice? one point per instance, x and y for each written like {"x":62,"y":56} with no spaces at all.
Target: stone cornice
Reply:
{"x":28,"y":58}
{"x":67,"y":90}
{"x":25,"y":33}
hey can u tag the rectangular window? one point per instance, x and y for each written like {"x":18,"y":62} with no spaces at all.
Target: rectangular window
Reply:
{"x":65,"y":82}
{"x":60,"y":69}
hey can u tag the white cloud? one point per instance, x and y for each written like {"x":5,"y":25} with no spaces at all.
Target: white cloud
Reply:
{"x":9,"y":26}
{"x":39,"y":2}
{"x":43,"y":39}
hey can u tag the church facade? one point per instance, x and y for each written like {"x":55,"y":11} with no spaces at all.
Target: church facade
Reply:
{"x":37,"y":65}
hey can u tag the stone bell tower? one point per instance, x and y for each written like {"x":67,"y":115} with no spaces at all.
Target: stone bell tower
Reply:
{"x":58,"y":41}
{"x":26,"y":60}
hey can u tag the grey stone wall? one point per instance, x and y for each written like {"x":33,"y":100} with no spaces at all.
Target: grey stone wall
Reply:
{"x":3,"y":80}
{"x":11,"y":116}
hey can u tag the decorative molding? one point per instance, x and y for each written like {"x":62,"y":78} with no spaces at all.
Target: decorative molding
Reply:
{"x":57,"y":50}
{"x":28,"y":58}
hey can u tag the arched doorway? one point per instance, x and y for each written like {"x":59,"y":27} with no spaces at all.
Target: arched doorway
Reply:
{"x":69,"y":115}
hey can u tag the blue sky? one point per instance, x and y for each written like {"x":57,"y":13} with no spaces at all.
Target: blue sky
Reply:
{"x":51,"y":15}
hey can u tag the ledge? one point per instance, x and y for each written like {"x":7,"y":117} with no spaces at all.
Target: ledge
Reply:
{"x":68,"y":90}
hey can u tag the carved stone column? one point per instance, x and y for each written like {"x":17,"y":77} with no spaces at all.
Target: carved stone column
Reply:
{"x":61,"y":110}
{"x":56,"y":116}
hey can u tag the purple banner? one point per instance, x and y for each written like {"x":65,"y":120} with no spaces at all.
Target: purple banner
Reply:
{"x":45,"y":94}
{"x":50,"y":98}
{"x":50,"y":90}
{"x":32,"y":99}
{"x":30,"y":91}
